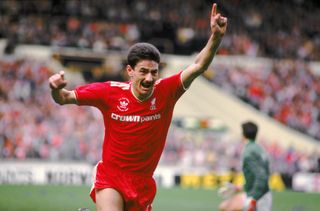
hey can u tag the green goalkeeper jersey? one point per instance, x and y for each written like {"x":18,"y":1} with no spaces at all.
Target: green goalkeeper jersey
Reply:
{"x":255,"y":167}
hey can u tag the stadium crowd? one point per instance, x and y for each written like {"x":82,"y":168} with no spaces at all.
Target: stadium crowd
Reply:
{"x":287,"y":91}
{"x":266,"y":28}
{"x":32,"y":127}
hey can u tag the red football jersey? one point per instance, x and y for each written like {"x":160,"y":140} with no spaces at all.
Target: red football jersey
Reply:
{"x":135,"y":131}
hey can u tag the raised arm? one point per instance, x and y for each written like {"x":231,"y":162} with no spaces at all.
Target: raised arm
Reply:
{"x":58,"y":92}
{"x":218,"y":26}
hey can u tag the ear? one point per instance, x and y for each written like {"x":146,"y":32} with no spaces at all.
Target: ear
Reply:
{"x":129,"y":70}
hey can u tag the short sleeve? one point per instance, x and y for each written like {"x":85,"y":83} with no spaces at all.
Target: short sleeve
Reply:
{"x":174,"y":85}
{"x":93,"y":94}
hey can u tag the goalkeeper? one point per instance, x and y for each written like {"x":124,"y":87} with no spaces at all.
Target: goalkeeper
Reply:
{"x":255,"y":167}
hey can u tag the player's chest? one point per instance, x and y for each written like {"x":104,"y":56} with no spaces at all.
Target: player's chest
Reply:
{"x":128,"y":104}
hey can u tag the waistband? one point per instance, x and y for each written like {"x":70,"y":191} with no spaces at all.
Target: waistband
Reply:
{"x":113,"y":167}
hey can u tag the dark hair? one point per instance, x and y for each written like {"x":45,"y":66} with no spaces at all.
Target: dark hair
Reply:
{"x":249,"y":130}
{"x":141,"y":51}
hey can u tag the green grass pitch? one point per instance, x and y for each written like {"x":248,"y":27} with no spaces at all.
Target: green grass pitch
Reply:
{"x":70,"y":198}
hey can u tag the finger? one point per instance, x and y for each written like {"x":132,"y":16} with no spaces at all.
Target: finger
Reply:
{"x":222,"y":21}
{"x":215,"y":19}
{"x":52,"y":84}
{"x":61,"y":74}
{"x":214,"y":9}
{"x":52,"y":79}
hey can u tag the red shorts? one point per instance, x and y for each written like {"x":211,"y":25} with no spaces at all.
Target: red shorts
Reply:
{"x":138,"y":191}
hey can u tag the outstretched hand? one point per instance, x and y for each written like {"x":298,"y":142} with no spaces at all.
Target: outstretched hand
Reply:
{"x":218,"y":23}
{"x":57,"y":81}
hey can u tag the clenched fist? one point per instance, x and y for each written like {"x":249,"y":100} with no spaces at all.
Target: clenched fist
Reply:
{"x":57,"y":81}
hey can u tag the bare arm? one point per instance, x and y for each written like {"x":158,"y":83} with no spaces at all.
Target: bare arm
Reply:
{"x":218,"y":26}
{"x":58,"y":92}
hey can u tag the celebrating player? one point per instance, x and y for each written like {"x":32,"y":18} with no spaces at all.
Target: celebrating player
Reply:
{"x":137,"y":115}
{"x":255,"y":166}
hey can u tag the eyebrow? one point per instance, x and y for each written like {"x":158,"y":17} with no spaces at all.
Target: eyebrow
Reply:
{"x":143,"y":68}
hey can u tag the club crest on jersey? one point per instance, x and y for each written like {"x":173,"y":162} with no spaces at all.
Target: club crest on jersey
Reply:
{"x":123,"y":104}
{"x":153,"y":104}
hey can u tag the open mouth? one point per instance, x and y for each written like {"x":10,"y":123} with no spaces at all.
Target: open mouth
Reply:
{"x":146,"y":85}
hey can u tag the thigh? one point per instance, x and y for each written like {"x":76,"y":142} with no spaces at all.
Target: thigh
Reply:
{"x":109,"y":199}
{"x":265,"y":202}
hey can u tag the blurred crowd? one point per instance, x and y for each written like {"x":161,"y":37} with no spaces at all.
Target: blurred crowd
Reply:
{"x":288,"y":91}
{"x":271,"y":28}
{"x":32,"y":126}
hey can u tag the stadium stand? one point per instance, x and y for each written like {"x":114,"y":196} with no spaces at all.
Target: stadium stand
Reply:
{"x":176,"y":27}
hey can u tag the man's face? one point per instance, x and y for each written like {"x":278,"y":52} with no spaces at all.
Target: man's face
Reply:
{"x":143,"y":77}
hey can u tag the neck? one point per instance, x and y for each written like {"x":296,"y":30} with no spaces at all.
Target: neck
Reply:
{"x":250,"y":140}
